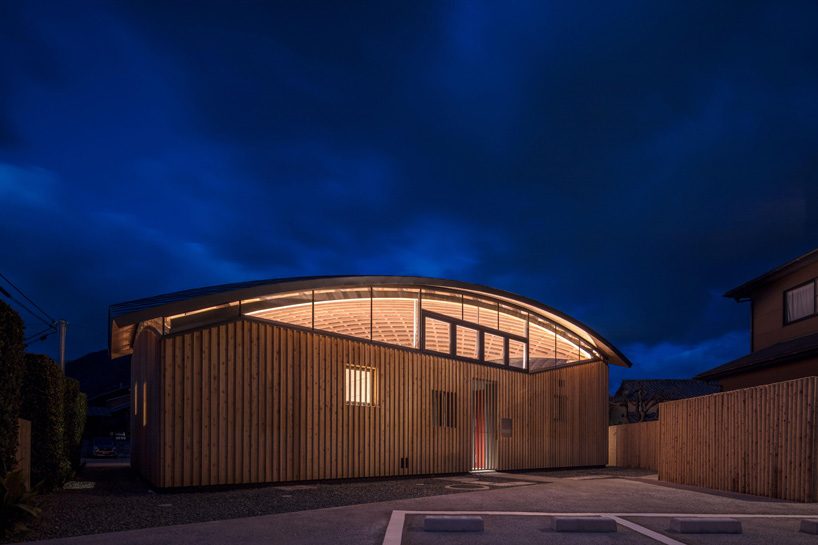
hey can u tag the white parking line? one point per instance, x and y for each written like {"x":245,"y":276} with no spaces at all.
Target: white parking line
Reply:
{"x":656,"y":536}
{"x":394,"y":530}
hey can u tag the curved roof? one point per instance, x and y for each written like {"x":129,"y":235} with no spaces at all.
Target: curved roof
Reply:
{"x":124,"y":318}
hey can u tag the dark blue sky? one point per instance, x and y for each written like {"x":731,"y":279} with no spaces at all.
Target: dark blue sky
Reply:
{"x":625,"y":162}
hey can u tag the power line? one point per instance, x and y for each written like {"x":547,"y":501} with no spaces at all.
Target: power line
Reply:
{"x":29,"y":342}
{"x":26,"y":297}
{"x":54,"y":326}
{"x":48,"y":330}
{"x":24,"y":307}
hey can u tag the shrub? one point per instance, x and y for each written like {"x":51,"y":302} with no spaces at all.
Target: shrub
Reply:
{"x":43,"y":405}
{"x":75,"y":413}
{"x":11,"y":377}
{"x":16,"y":504}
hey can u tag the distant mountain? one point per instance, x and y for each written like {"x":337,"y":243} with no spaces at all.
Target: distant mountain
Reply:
{"x":98,"y":373}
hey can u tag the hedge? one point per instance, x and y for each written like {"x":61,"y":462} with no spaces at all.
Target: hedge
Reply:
{"x":75,"y":411}
{"x":43,"y":394}
{"x":11,"y":378}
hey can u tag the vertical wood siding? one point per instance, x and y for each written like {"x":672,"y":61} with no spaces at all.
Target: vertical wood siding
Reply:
{"x":248,"y":402}
{"x":759,"y":440}
{"x":634,"y":445}
{"x":147,"y":404}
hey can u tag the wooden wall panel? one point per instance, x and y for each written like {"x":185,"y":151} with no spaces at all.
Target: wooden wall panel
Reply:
{"x":760,"y":440}
{"x":248,"y":401}
{"x":147,"y":405}
{"x":634,"y":445}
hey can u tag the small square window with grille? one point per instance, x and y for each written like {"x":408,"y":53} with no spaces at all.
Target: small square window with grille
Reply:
{"x":444,"y":409}
{"x":359,"y":385}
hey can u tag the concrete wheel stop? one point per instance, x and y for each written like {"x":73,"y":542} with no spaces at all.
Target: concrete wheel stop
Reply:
{"x":583,"y":524}
{"x":809,"y":526}
{"x":452,"y":523}
{"x":705,"y":525}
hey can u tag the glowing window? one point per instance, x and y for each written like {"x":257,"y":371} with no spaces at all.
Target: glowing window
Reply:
{"x":359,"y":384}
{"x":468,"y":343}
{"x":516,"y":354}
{"x":395,"y":316}
{"x":512,"y":321}
{"x":448,"y":304}
{"x":135,"y":398}
{"x":290,"y":308}
{"x":436,"y":336}
{"x":347,"y":312}
{"x":493,"y":348}
{"x":487,"y":314}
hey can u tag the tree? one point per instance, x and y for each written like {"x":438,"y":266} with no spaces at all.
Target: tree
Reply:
{"x":644,"y":404}
{"x":12,"y":365}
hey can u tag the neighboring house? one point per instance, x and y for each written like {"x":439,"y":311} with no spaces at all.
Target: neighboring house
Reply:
{"x":638,"y":400}
{"x":350,"y":377}
{"x":783,"y":327}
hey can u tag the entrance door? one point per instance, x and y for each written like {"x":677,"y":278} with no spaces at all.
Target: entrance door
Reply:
{"x":484,"y":425}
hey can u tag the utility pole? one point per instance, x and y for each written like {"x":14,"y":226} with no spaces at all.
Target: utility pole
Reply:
{"x":62,"y":326}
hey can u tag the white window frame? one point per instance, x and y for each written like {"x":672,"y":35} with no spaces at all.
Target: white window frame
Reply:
{"x":788,"y":300}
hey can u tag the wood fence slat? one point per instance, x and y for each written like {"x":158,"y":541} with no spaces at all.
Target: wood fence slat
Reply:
{"x":759,"y":440}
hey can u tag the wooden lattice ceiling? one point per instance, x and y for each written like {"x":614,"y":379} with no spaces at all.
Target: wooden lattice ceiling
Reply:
{"x":394,"y":320}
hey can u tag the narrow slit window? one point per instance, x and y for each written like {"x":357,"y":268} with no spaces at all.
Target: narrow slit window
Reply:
{"x":144,"y":404}
{"x":444,"y":409}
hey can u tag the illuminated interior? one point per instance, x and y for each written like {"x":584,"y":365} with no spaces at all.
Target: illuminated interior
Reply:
{"x":434,"y":320}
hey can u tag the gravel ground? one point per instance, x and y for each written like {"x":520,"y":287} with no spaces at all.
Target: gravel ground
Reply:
{"x":120,"y":500}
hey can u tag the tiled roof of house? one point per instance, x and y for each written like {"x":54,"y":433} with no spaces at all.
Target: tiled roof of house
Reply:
{"x":777,"y":353}
{"x":666,"y":389}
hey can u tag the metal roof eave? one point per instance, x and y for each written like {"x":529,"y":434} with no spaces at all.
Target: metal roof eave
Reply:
{"x":124,"y":316}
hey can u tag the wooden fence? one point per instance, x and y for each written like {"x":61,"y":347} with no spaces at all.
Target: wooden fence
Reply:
{"x":23,"y":455}
{"x":634,"y":445}
{"x":759,"y":440}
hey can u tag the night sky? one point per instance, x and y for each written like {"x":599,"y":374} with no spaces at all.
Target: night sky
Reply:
{"x":624,"y":162}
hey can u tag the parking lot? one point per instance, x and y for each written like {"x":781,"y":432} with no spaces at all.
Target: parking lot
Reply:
{"x":518,"y":508}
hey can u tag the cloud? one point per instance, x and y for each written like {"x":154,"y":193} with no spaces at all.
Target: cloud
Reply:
{"x":29,"y":187}
{"x":623,"y":163}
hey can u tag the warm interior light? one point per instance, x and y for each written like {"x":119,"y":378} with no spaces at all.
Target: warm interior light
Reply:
{"x":395,"y":320}
{"x":358,"y":385}
{"x":201,"y":310}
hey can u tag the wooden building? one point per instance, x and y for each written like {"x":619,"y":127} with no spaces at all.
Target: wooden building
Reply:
{"x":783,"y":327}
{"x":348,"y":377}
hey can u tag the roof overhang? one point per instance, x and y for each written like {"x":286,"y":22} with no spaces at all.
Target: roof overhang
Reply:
{"x":124,"y":318}
{"x":793,"y":350}
{"x":746,"y":290}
